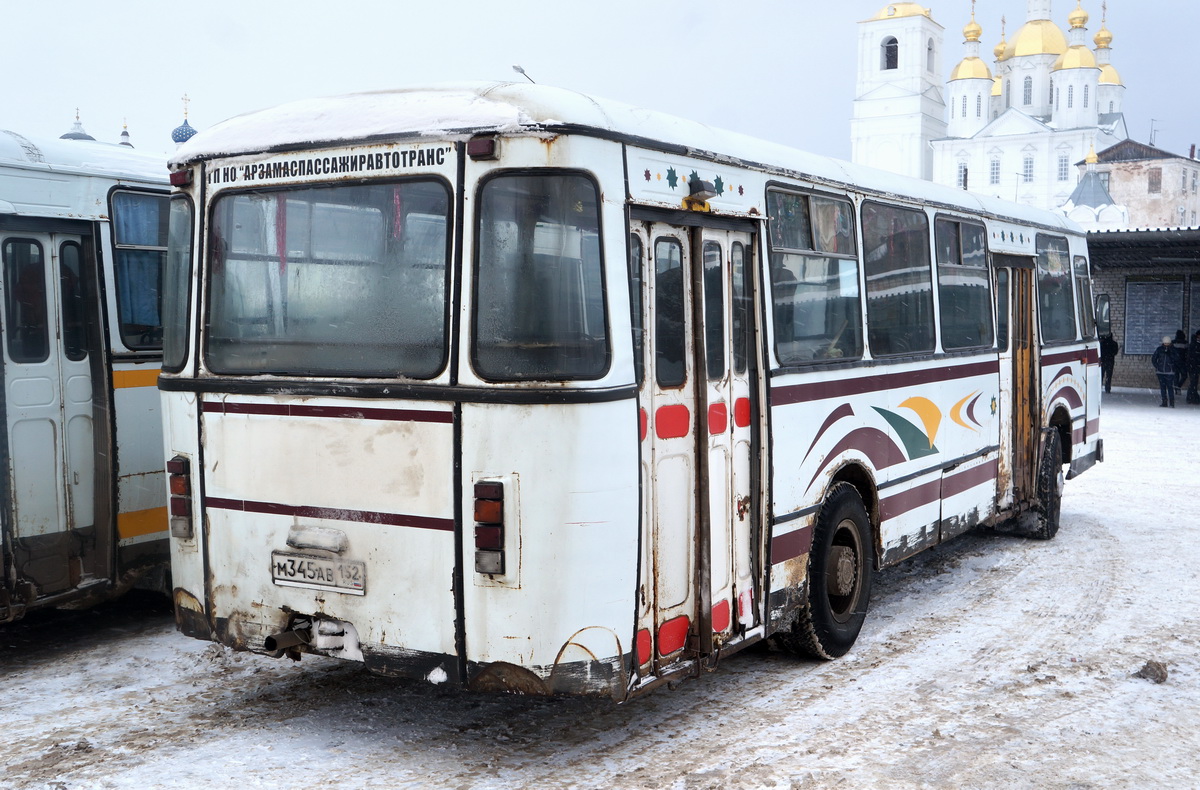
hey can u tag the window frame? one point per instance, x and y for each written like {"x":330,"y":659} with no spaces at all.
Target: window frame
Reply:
{"x":186,"y":322}
{"x":117,"y":248}
{"x":930,"y":279}
{"x":985,"y":269}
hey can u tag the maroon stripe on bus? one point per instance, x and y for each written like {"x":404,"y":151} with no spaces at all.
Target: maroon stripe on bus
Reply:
{"x":1093,"y":427}
{"x":1078,"y":355}
{"x":841,"y":388}
{"x":910,"y":499}
{"x":969,"y":478}
{"x":336,"y":514}
{"x":791,"y":545}
{"x":338,"y":412}
{"x":1070,"y":396}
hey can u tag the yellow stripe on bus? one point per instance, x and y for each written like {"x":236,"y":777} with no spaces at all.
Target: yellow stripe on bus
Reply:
{"x":135,"y":378}
{"x":141,"y":522}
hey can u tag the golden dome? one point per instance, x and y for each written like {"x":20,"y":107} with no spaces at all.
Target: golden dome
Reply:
{"x":1103,"y":38}
{"x":1077,"y":57}
{"x":972,"y":31}
{"x":1078,"y":17}
{"x":971,"y":69}
{"x":1038,"y":37}
{"x":999,"y":50}
{"x":997,"y":85}
{"x":897,"y":10}
{"x":1091,"y":158}
{"x":1109,"y":75}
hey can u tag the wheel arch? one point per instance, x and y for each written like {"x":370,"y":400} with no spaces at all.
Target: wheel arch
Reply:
{"x":863,"y":481}
{"x":1060,"y":420}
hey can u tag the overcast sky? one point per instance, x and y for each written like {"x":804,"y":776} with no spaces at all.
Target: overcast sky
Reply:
{"x":777,"y":69}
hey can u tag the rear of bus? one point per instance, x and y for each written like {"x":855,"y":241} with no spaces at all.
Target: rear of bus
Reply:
{"x":400,"y":426}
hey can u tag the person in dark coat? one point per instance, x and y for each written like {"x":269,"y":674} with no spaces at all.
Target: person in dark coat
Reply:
{"x":1108,"y":358}
{"x":1180,"y":347}
{"x":1163,"y":362}
{"x":1193,"y":368}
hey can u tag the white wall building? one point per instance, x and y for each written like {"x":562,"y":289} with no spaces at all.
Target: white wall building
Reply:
{"x":1014,"y":130}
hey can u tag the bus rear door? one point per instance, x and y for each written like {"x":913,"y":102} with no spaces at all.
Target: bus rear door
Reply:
{"x":49,"y":312}
{"x":700,"y":563}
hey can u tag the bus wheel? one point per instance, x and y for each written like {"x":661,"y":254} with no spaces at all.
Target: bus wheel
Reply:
{"x":1049,"y":487}
{"x":840,"y":568}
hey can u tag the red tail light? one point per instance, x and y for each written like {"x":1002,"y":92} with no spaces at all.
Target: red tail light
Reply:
{"x":179,"y":483}
{"x":489,"y":527}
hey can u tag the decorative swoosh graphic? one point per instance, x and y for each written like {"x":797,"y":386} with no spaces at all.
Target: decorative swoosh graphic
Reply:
{"x":917,"y":443}
{"x":841,"y":411}
{"x":930,"y":414}
{"x":956,"y":412}
{"x":876,"y":445}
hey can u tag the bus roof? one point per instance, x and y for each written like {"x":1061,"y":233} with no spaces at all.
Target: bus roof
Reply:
{"x":82,"y":157}
{"x":460,"y":110}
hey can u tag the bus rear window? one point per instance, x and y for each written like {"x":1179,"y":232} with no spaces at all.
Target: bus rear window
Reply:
{"x":539,"y":307}
{"x":330,"y":281}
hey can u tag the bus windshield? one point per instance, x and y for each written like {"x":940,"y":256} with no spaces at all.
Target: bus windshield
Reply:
{"x":341,"y":280}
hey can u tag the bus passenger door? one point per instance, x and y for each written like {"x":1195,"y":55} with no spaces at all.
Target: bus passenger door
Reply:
{"x":696,"y":454}
{"x":1019,"y":392}
{"x":48,"y":312}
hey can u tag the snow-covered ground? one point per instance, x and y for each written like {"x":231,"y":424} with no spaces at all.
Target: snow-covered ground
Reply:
{"x":990,"y":662}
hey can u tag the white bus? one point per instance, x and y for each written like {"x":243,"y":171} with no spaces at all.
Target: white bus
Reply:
{"x":509,"y":387}
{"x":82,"y":243}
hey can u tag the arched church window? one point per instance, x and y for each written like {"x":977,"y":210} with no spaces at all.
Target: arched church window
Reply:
{"x":1028,"y":97}
{"x":964,"y":109}
{"x":1110,"y":106}
{"x":1085,"y":95}
{"x":929,"y":56}
{"x":1070,"y":96}
{"x":962,"y":175}
{"x":890,"y":54}
{"x":1027,"y":169}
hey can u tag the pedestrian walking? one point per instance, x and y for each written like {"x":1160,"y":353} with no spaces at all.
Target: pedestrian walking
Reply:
{"x":1108,"y":358}
{"x":1180,"y":347}
{"x":1193,"y":368}
{"x":1163,"y":362}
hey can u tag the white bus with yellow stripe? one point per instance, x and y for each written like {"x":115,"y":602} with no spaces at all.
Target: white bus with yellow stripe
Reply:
{"x":82,"y":243}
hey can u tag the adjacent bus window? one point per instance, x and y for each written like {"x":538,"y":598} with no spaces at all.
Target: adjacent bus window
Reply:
{"x":814,"y":279}
{"x":1002,"y":309}
{"x":636,"y":304}
{"x":140,"y":234}
{"x":176,"y":284}
{"x":73,"y":290}
{"x":25,"y":301}
{"x":899,"y":282}
{"x":964,"y":285}
{"x":669,"y":340}
{"x":1083,"y":284}
{"x":539,"y":305}
{"x":741,"y":306}
{"x":714,"y":312}
{"x":1056,"y":306}
{"x":329,"y":281}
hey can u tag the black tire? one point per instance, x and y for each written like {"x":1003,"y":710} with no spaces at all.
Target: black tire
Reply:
{"x":1049,"y":487}
{"x":841,"y":566}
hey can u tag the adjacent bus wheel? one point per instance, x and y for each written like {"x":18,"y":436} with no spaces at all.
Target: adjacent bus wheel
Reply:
{"x":840,"y":568}
{"x":1049,"y":487}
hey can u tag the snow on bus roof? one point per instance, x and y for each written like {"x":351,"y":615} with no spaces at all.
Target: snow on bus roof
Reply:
{"x":462,"y":109}
{"x":86,"y":157}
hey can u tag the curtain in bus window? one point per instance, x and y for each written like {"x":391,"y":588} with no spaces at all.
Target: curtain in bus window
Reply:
{"x":832,"y":225}
{"x":964,"y":286}
{"x":140,"y":229}
{"x":25,"y":301}
{"x":539,"y":303}
{"x":330,"y":281}
{"x":1056,"y":305}
{"x":899,"y":281}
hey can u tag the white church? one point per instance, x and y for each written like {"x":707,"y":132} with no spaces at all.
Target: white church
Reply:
{"x":1016,"y":129}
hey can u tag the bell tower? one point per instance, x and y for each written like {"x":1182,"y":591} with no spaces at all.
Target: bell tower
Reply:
{"x":898,"y":105}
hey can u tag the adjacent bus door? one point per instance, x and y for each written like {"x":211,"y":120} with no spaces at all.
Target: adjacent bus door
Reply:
{"x":700,"y":565}
{"x":47,"y":311}
{"x":1020,"y":406}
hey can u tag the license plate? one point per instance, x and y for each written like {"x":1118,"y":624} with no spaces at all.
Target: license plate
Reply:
{"x":299,"y":570}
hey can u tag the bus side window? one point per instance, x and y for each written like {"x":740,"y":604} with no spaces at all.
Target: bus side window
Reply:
{"x":1056,"y":305}
{"x":25,"y":301}
{"x":1002,"y":309}
{"x":963,"y":285}
{"x":636,"y":305}
{"x":1083,"y":284}
{"x":74,"y":306}
{"x":899,"y":282}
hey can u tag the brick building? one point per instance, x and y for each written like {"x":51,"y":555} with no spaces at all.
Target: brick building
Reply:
{"x":1150,"y":280}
